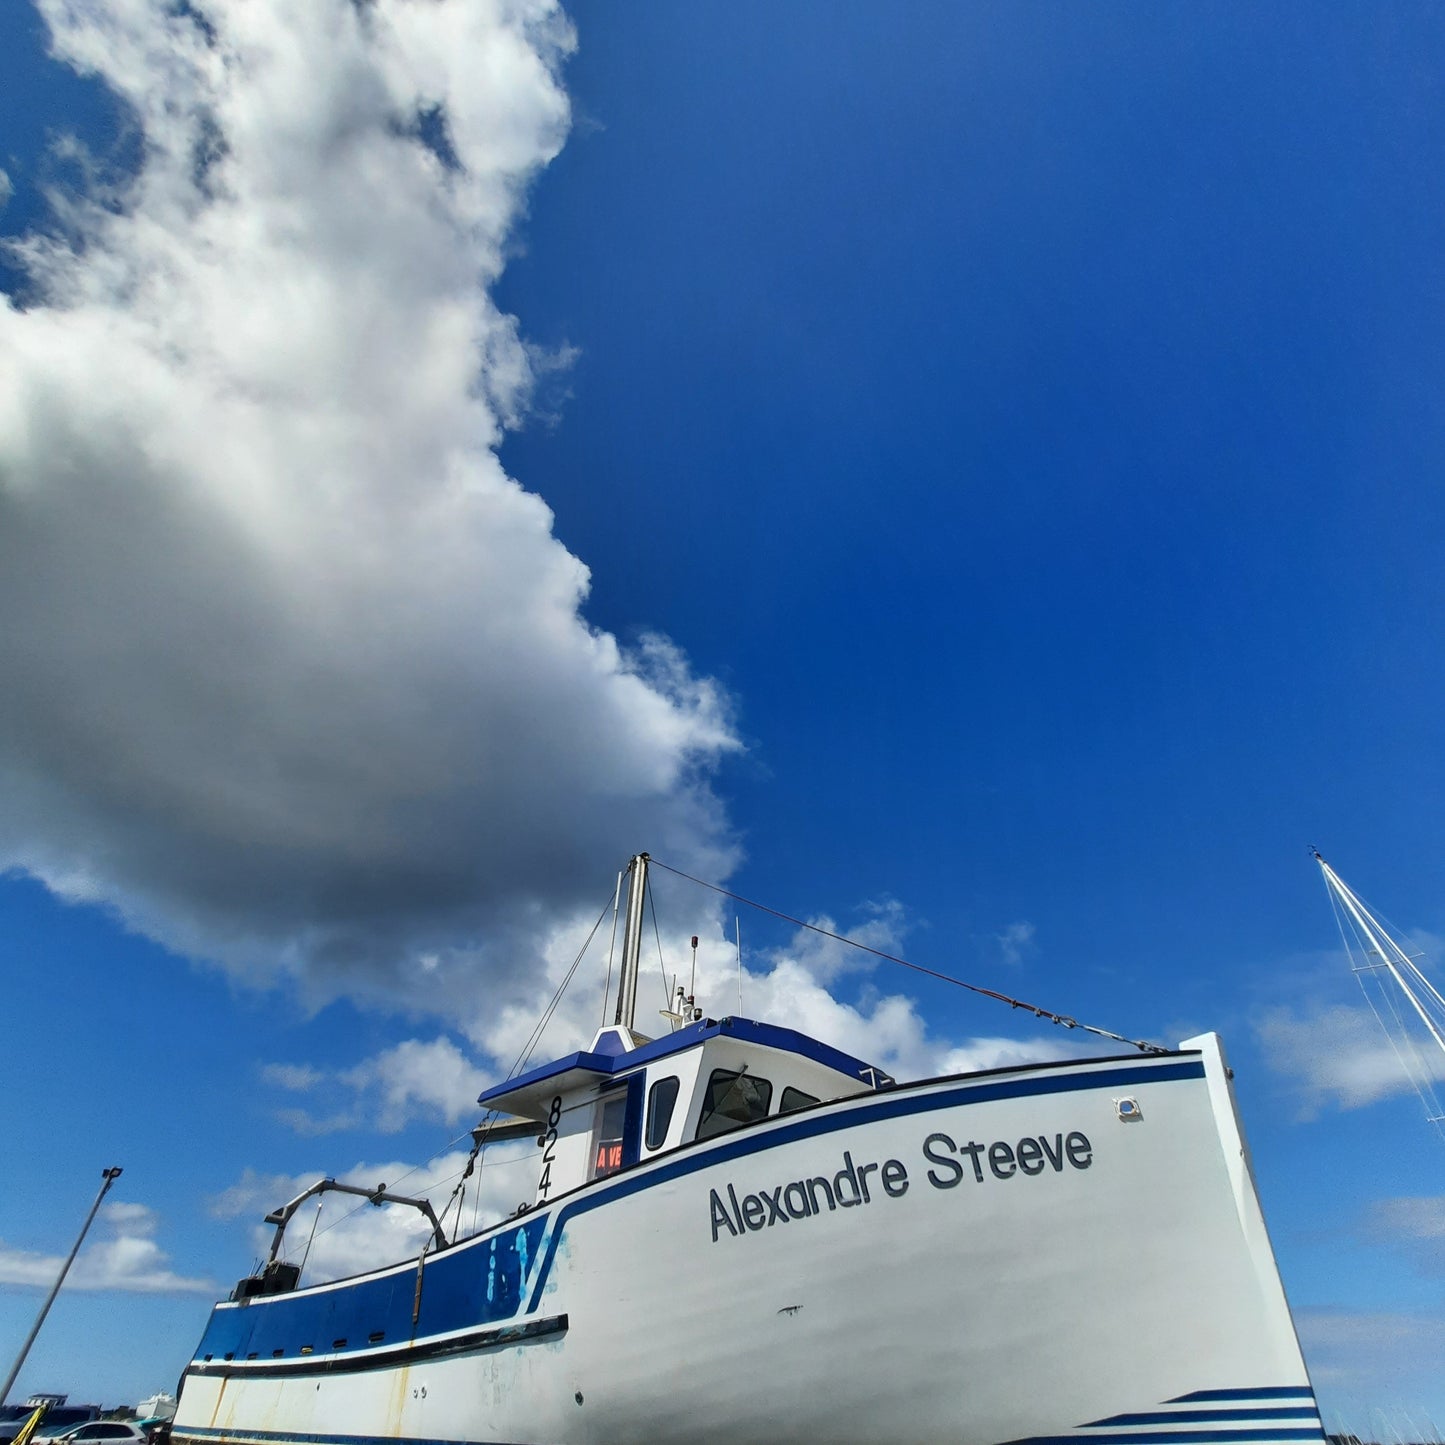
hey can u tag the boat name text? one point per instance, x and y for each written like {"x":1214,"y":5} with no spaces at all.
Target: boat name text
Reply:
{"x":849,"y":1187}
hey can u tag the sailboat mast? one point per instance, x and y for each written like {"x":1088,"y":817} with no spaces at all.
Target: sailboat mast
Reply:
{"x":632,"y":941}
{"x":1390,"y":954}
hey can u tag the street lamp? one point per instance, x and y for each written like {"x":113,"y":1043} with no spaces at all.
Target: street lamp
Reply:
{"x":108,"y":1177}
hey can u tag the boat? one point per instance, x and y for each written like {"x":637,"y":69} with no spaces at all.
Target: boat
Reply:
{"x":740,"y":1233}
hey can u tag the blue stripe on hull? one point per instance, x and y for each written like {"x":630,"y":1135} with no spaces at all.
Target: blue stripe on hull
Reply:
{"x":474,"y":1342}
{"x":1234,"y":1423}
{"x":1200,"y":1417}
{"x":205,"y":1435}
{"x":1171,"y":1437}
{"x":1262,"y":1392}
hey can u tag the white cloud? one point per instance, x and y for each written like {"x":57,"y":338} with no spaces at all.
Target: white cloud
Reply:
{"x":1015,"y":942}
{"x":297,"y":1078}
{"x":1334,"y":1054}
{"x":1414,"y":1223}
{"x":438,"y":1080}
{"x":351,"y":1235}
{"x":826,"y":958}
{"x":129,"y":1261}
{"x":134,"y":1219}
{"x":1362,"y":1361}
{"x":7,"y":189}
{"x":1411,"y":1217}
{"x":297,"y":679}
{"x":793,"y":988}
{"x":414,"y":1079}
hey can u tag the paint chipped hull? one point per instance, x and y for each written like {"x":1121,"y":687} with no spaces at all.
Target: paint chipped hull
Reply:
{"x":1054,"y":1253}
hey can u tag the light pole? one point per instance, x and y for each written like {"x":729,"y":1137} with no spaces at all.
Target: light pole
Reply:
{"x":108,"y":1177}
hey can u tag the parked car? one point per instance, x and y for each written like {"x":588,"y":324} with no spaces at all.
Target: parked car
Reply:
{"x":97,"y":1432}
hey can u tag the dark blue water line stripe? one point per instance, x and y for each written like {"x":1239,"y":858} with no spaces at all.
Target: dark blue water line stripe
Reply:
{"x":205,"y":1433}
{"x":1168,"y":1417}
{"x":900,"y":1104}
{"x":202,"y":1434}
{"x":1258,"y":1392}
{"x":1172,"y":1437}
{"x":399,"y":1357}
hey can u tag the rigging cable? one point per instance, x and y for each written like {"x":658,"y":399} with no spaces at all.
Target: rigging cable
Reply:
{"x":1416,"y":1067}
{"x":611,"y":947}
{"x":479,"y":1135}
{"x":661,"y":962}
{"x":1063,"y":1020}
{"x":535,"y":1037}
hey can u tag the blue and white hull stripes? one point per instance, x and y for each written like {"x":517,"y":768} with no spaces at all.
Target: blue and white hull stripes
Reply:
{"x":1267,"y":1413}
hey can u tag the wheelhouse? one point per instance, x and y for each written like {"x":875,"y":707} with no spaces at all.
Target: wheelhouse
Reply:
{"x":627,"y":1099}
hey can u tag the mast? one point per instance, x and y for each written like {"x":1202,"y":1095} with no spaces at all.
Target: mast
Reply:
{"x":1382,"y":955}
{"x":631,"y":941}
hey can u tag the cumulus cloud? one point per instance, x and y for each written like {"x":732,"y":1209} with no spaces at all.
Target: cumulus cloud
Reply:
{"x":1362,"y":1360}
{"x":1415,"y":1223}
{"x":342,"y":1235}
{"x":414,"y":1079}
{"x":794,"y":985}
{"x":825,"y":957}
{"x":1336,"y":1054}
{"x":1015,"y":942}
{"x":297,"y":678}
{"x":299,"y":1078}
{"x":129,"y":1260}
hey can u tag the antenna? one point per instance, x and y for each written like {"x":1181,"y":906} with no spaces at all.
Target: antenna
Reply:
{"x":311,"y":1238}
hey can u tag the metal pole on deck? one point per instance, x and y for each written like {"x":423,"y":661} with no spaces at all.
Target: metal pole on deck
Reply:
{"x":632,"y":942}
{"x":107,"y":1179}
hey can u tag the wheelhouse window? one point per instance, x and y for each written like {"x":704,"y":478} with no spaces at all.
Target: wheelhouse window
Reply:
{"x":795,"y":1099}
{"x":733,"y":1099}
{"x":660,"y":1101}
{"x":610,"y":1128}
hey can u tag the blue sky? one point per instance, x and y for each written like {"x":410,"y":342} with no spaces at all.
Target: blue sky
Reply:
{"x":1002,"y":447}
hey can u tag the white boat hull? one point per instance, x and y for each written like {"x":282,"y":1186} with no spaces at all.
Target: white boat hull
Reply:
{"x":1027,"y":1264}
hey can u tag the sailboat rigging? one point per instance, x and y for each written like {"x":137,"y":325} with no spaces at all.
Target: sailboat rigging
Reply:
{"x":1410,"y":1009}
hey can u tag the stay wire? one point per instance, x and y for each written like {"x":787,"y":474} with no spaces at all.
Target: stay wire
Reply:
{"x":479,"y":1136}
{"x":1063,"y":1020}
{"x":1401,"y":1038}
{"x":535,"y":1037}
{"x":415,"y":1169}
{"x":661,"y":962}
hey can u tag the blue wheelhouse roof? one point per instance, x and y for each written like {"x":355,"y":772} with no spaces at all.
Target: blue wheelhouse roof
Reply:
{"x":603,"y":1066}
